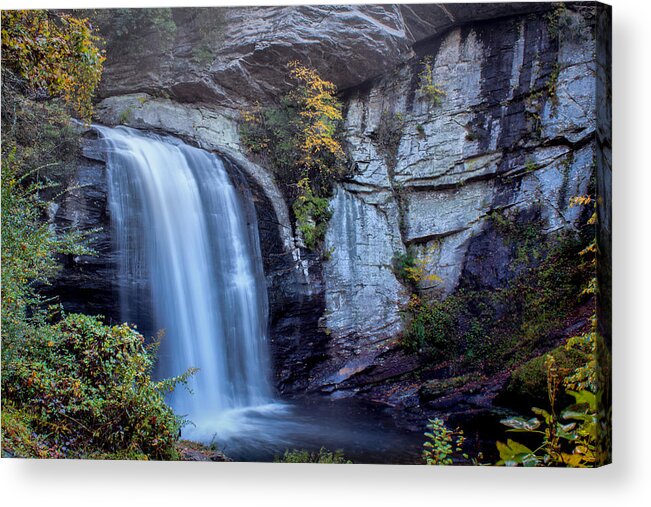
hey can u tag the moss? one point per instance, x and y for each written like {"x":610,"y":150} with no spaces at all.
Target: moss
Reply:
{"x":529,"y":166}
{"x":436,"y":388}
{"x":527,"y":384}
{"x":125,"y":116}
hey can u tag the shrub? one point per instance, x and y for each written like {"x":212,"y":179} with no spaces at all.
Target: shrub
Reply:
{"x":433,"y":327}
{"x":304,"y":456}
{"x":300,"y":135}
{"x":55,"y":53}
{"x":442,"y":444}
{"x":493,"y":329}
{"x":87,"y":389}
{"x":19,"y":438}
{"x":41,"y":135}
{"x":300,"y":139}
{"x":430,"y":91}
{"x":411,"y":270}
{"x":312,"y":214}
{"x":29,"y":245}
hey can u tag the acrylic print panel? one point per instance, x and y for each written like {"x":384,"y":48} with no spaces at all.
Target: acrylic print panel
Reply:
{"x":334,"y":234}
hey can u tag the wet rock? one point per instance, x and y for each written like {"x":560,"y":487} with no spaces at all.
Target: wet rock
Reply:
{"x":86,"y":283}
{"x":194,"y":451}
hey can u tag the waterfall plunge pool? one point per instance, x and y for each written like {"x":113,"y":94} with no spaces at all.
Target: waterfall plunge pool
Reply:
{"x":364,"y":431}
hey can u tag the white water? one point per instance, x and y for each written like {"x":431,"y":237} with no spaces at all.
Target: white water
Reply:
{"x":186,"y":242}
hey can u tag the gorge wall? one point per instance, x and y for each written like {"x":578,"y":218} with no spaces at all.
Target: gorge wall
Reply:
{"x":513,"y":134}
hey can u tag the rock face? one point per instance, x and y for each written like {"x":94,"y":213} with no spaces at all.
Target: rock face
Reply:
{"x":512,"y":135}
{"x":243,"y":53}
{"x":498,"y":142}
{"x":86,"y":283}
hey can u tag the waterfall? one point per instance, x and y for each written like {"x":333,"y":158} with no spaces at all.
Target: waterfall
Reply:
{"x":187,"y":250}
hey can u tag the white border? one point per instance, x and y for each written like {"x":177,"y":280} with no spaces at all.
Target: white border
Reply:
{"x":627,"y":482}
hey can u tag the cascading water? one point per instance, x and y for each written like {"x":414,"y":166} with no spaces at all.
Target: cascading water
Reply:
{"x":183,"y":242}
{"x":186,"y":244}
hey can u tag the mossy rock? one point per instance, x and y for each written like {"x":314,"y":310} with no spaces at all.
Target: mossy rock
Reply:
{"x":527,"y":385}
{"x":434,"y":389}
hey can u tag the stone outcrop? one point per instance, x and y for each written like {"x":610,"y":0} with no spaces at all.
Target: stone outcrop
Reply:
{"x":513,"y":134}
{"x":86,"y":283}
{"x":243,"y":53}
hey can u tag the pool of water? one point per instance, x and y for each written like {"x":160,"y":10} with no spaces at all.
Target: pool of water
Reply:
{"x":365,"y":432}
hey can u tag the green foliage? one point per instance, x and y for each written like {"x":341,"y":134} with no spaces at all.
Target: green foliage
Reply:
{"x":304,"y":456}
{"x":552,"y":84}
{"x":513,"y":453}
{"x":528,"y":383}
{"x":577,"y":437}
{"x":55,"y":54}
{"x":580,"y":436}
{"x":530,"y":166}
{"x":126,"y":30}
{"x":19,"y":438}
{"x":300,"y":139}
{"x":129,"y":22}
{"x":45,"y":139}
{"x":427,"y":88}
{"x":433,"y":327}
{"x":412,"y":270}
{"x":300,"y":136}
{"x":442,"y":444}
{"x":312,"y":214}
{"x":493,"y":329}
{"x":86,"y":388}
{"x":71,"y":387}
{"x":404,"y":267}
{"x":29,"y":245}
